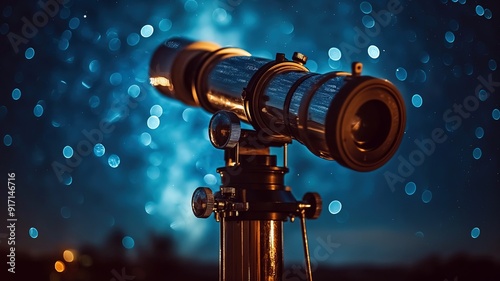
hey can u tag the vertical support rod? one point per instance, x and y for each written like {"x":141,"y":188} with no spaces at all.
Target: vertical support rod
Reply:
{"x":285,"y":155}
{"x":306,"y":245}
{"x":251,"y":250}
{"x":222,"y":249}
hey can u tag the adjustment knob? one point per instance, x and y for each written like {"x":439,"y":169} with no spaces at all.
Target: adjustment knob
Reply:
{"x":202,"y":202}
{"x":356,"y":68}
{"x":299,"y":58}
{"x":313,"y":199}
{"x":224,"y":129}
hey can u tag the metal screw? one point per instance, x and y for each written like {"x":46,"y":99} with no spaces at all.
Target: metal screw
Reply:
{"x":299,"y":58}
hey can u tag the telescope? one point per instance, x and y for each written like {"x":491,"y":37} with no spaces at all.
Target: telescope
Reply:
{"x":355,"y":120}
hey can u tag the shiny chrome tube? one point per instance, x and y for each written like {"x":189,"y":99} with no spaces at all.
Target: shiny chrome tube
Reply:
{"x":251,"y":250}
{"x":356,"y":120}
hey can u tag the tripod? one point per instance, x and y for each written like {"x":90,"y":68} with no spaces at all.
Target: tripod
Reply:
{"x":253,"y":202}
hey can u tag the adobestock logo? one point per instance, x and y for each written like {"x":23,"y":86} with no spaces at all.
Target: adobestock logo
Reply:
{"x":323,"y":251}
{"x":363,"y":38}
{"x":121,"y":276}
{"x":31,"y":26}
{"x":453,"y":118}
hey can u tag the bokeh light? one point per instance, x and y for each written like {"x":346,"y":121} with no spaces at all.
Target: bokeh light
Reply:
{"x":147,"y":31}
{"x":65,"y":212}
{"x":7,"y":140}
{"x":475,"y":232}
{"x":74,"y":23}
{"x":424,"y":57}
{"x":190,"y":5}
{"x":426,"y":196}
{"x":94,"y":66}
{"x":334,"y":54}
{"x":153,"y":122}
{"x":156,"y":110}
{"x":492,"y":64}
{"x":401,"y":74}
{"x":145,"y":139}
{"x":113,"y":161}
{"x":495,"y":113}
{"x":479,"y":10}
{"x":149,"y":207}
{"x":210,"y":179}
{"x":94,"y":101}
{"x":410,"y":188}
{"x":449,"y":37}
{"x":68,"y":256}
{"x":29,"y":53}
{"x":373,"y":51}
{"x":488,"y":14}
{"x":133,"y":39}
{"x":417,"y":100}
{"x":365,"y":7}
{"x":334,"y":207}
{"x":67,"y":151}
{"x":479,"y":132}
{"x":16,"y":94}
{"x":128,"y":242}
{"x":59,"y":266}
{"x":368,"y":21}
{"x":99,"y":149}
{"x":477,"y":153}
{"x":115,"y":79}
{"x":134,"y":91}
{"x":33,"y":232}
{"x":165,"y":25}
{"x":114,"y":44}
{"x":483,"y":95}
{"x":38,"y":110}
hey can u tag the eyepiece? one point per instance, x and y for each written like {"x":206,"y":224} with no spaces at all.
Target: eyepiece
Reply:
{"x":173,"y":68}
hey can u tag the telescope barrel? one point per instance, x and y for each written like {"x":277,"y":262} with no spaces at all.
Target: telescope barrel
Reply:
{"x":356,"y":120}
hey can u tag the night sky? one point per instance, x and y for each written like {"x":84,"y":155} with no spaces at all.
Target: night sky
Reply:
{"x":67,"y":68}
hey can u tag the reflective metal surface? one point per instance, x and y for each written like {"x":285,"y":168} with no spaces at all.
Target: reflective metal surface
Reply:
{"x":226,"y":81}
{"x":274,"y":107}
{"x":171,"y":62}
{"x":251,"y":250}
{"x":224,"y":129}
{"x":202,"y":202}
{"x":356,"y":120}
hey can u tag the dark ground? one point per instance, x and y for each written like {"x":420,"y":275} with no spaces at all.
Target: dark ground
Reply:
{"x":108,"y":263}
